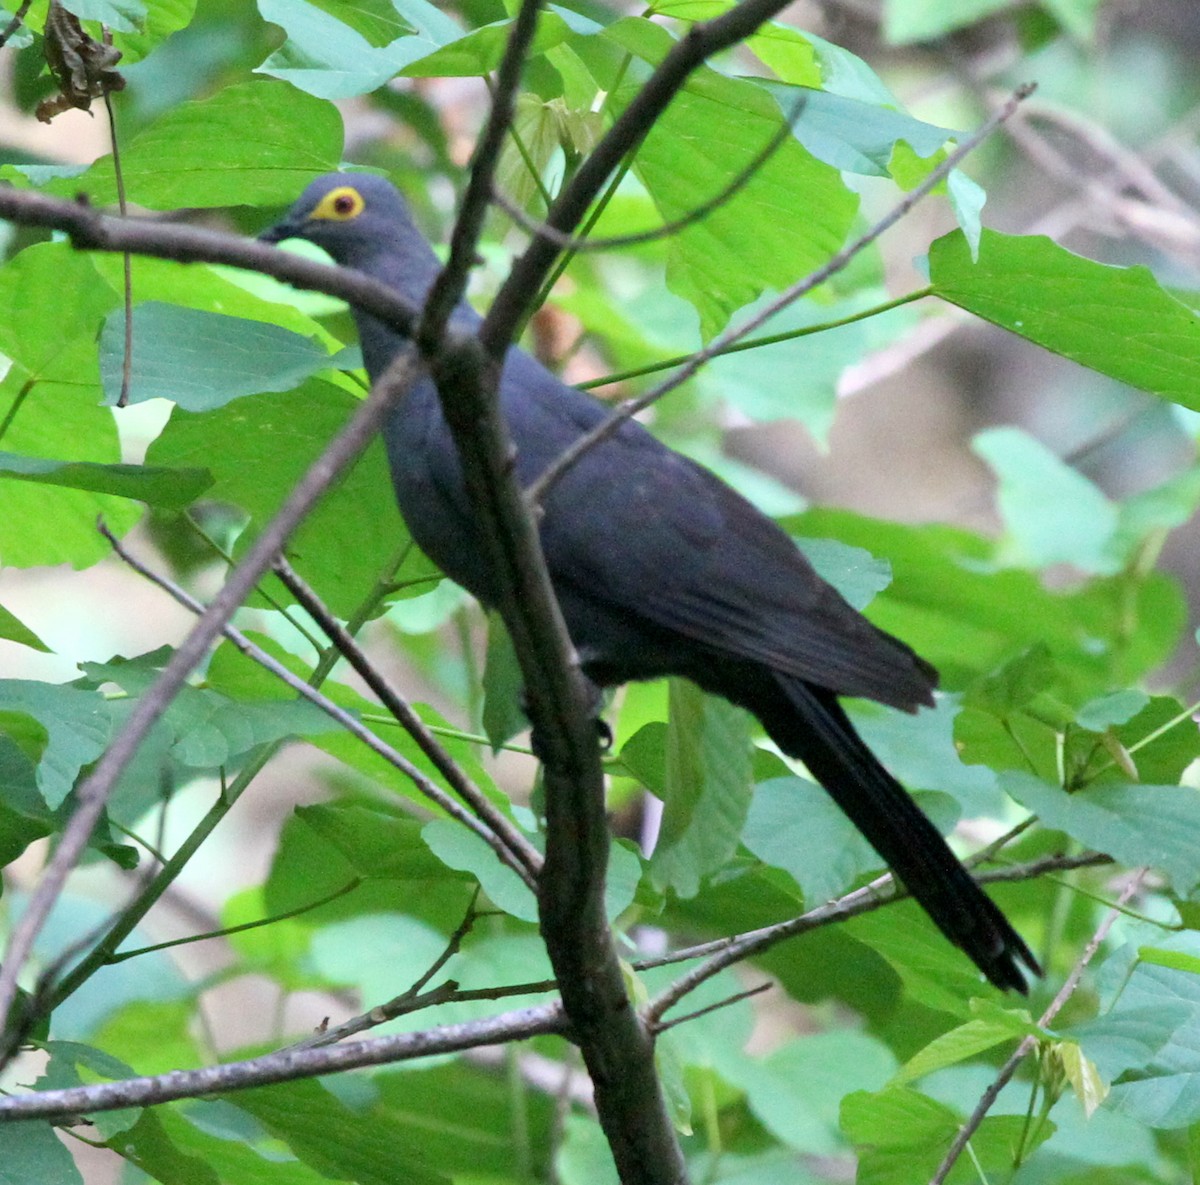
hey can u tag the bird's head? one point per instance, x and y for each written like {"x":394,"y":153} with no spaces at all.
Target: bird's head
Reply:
{"x":355,"y":217}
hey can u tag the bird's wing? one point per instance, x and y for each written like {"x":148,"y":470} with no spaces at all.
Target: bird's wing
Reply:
{"x":637,"y":526}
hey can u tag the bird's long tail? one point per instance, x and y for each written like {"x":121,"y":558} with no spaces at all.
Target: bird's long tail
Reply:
{"x":817,"y":731}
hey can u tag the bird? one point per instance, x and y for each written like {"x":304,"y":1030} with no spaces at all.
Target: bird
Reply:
{"x":660,"y":568}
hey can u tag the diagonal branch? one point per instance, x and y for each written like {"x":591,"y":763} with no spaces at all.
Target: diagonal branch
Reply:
{"x":93,"y":793}
{"x":989,"y":1096}
{"x":526,"y":854}
{"x":501,"y":844}
{"x":627,"y":132}
{"x":723,"y":342}
{"x":725,"y":952}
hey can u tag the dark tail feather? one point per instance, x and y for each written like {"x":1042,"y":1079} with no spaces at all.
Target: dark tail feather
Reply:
{"x":811,"y":725}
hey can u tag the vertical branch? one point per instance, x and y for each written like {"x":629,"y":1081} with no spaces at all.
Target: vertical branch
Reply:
{"x":127,"y":258}
{"x":617,"y":1047}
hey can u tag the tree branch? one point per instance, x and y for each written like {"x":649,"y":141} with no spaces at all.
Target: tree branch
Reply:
{"x":284,"y":1066}
{"x":401,"y":710}
{"x":617,"y":1047}
{"x":627,"y":132}
{"x":511,"y":847}
{"x":723,"y":342}
{"x":1022,"y":1051}
{"x":725,"y":952}
{"x":93,"y":793}
{"x":451,"y":282}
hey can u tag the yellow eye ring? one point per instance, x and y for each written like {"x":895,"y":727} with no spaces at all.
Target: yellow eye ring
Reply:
{"x":340,"y":205}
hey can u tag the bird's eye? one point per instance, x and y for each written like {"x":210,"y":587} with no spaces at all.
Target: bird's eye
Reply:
{"x":340,"y":205}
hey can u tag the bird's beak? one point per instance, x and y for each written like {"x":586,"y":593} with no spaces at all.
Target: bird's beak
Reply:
{"x":287,"y":229}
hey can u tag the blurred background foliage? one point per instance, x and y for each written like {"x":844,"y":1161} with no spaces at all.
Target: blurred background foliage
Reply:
{"x":1013,"y":492}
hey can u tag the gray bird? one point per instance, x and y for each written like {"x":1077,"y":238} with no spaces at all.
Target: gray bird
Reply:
{"x":661,"y":569}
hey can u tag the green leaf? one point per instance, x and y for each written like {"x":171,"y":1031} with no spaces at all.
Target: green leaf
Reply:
{"x":24,"y":814}
{"x":1053,"y":513}
{"x":458,"y":848}
{"x":51,"y":304}
{"x":789,"y":53}
{"x":1128,"y":1038}
{"x":797,"y":378}
{"x":332,"y":59}
{"x":706,"y":791}
{"x":209,"y":730}
{"x":1090,"y":1089}
{"x":933,"y":972}
{"x":459,"y":1116}
{"x":232,"y":1144}
{"x":793,"y":824}
{"x":31,"y":1151}
{"x":479,"y":52}
{"x":161,"y":18}
{"x":583,"y":1156}
{"x":77,"y":726}
{"x":796,"y":1090}
{"x":379,"y":955}
{"x":376,"y":843}
{"x":901,"y":1137}
{"x":148,"y":1146}
{"x":257,"y":449}
{"x":744,"y":247}
{"x":1119,"y":707}
{"x":1135,"y":824}
{"x":252,"y":143}
{"x":853,"y":571}
{"x":1118,"y":321}
{"x":367,"y":1146}
{"x":966,"y":1041}
{"x":121,"y":15}
{"x":905,"y":21}
{"x":201,"y":360}
{"x":172,"y":489}
{"x":851,"y":135}
{"x":503,"y":716}
{"x":967,"y":199}
{"x":70,"y":1061}
{"x":1161,"y":1090}
{"x":950,"y":603}
{"x":377,"y":20}
{"x":12,"y":629}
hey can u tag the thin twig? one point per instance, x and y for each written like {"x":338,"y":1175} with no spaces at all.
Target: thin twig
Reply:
{"x":402,"y":711}
{"x":767,"y":339}
{"x":409,"y":1002}
{"x":578,"y":243}
{"x":1009,"y":1068}
{"x":725,"y":952}
{"x":451,"y":282}
{"x":93,"y":792}
{"x":627,"y":132}
{"x":126,"y":258}
{"x":538,"y":489}
{"x":663,"y":1025}
{"x":284,"y":1066}
{"x":129,"y":917}
{"x":15,"y":23}
{"x":351,"y":723}
{"x":225,"y":931}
